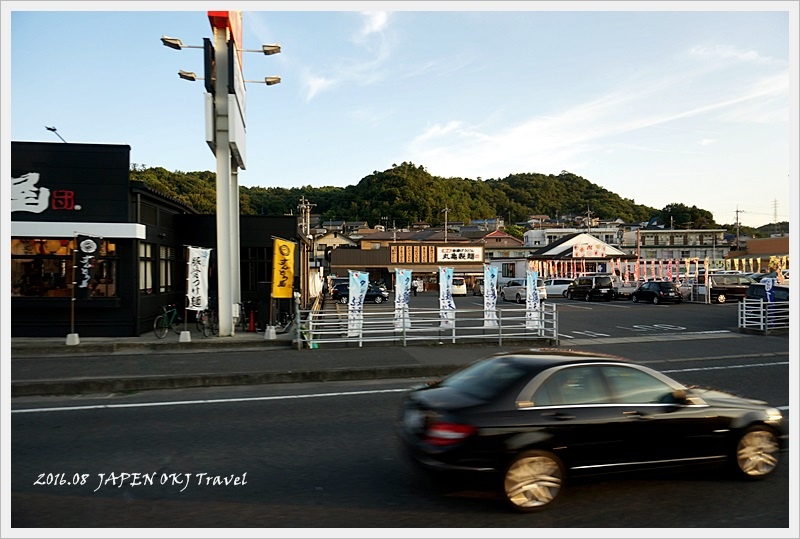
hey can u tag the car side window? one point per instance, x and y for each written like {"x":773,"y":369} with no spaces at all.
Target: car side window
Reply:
{"x":572,"y":385}
{"x":632,"y":386}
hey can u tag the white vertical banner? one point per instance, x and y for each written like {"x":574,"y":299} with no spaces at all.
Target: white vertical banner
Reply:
{"x":447,"y":306}
{"x":197,"y":280}
{"x":532,"y":303}
{"x":401,"y":297}
{"x":359,"y":280}
{"x":489,"y":296}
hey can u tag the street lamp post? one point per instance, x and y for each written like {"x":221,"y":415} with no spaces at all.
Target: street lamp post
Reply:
{"x":53,"y":129}
{"x":227,"y":140}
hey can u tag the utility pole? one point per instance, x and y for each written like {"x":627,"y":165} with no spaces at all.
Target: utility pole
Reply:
{"x":738,"y":211}
{"x":588,"y":220}
{"x":446,"y":210}
{"x":305,"y":212}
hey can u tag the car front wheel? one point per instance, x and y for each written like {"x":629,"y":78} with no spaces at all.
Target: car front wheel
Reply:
{"x":757,"y":453}
{"x":519,"y":298}
{"x":721,"y":298}
{"x":533,"y":481}
{"x":378,"y":299}
{"x":635,"y":298}
{"x":587,"y":297}
{"x":569,"y":295}
{"x":343,"y":300}
{"x":502,"y":296}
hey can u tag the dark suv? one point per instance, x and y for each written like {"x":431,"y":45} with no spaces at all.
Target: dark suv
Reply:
{"x":729,"y":287}
{"x":759,"y":291}
{"x":591,"y":287}
{"x":657,"y":292}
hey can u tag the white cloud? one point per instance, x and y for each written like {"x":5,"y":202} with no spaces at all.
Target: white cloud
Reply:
{"x":374,"y":22}
{"x":314,"y":85}
{"x":729,"y":52}
{"x":707,"y":142}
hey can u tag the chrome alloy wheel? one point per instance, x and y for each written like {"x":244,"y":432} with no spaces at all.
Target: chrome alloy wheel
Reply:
{"x":757,"y":453}
{"x":533,"y":481}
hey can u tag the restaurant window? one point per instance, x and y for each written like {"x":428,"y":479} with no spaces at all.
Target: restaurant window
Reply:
{"x":146,"y":268}
{"x":45,"y":268}
{"x":166,"y":261}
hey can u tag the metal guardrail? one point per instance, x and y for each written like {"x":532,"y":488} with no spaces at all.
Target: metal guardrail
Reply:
{"x":427,"y":325}
{"x":757,"y":315}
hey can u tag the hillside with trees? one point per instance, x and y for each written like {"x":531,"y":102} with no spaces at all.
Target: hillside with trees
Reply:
{"x":406,"y":194}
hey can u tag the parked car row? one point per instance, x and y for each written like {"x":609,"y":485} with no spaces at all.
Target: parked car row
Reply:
{"x":376,"y":294}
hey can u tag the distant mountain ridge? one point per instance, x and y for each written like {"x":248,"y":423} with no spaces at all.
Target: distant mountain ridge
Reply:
{"x":406,"y":194}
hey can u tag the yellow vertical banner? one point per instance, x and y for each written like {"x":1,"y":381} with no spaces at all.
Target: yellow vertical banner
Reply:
{"x":282,"y":268}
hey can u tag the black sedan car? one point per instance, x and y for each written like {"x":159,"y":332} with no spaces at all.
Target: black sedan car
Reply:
{"x":657,"y":292}
{"x":376,"y":294}
{"x":529,"y":420}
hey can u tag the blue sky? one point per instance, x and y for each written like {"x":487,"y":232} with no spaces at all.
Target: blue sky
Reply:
{"x":652,"y":101}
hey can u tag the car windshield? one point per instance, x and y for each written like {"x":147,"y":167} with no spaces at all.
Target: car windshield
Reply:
{"x":485,"y":379}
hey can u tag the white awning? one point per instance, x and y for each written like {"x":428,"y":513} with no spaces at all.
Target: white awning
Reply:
{"x":32,"y":229}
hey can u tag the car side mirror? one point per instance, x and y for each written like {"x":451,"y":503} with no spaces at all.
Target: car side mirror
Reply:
{"x":679,"y":396}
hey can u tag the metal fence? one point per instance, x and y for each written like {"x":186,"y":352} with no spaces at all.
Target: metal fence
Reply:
{"x":759,"y":316}
{"x":427,"y":325}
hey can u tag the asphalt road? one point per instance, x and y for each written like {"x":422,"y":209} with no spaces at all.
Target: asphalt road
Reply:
{"x":324,"y":456}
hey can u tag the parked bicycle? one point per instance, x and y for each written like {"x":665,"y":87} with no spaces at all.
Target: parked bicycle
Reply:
{"x":207,"y":322}
{"x":167,"y":320}
{"x":242,"y":321}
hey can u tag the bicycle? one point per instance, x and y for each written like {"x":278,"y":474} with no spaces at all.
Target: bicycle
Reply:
{"x":167,"y":320}
{"x":207,"y":322}
{"x":242,"y":321}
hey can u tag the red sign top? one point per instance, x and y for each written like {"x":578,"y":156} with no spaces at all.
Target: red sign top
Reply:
{"x":232,"y":20}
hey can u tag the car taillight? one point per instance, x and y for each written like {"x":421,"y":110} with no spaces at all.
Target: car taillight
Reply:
{"x":442,"y":434}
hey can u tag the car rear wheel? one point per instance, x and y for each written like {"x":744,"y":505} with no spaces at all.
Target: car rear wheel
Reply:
{"x":757,"y":453}
{"x":502,"y":296}
{"x":656,"y":300}
{"x":564,"y":293}
{"x":533,"y":481}
{"x":343,"y":300}
{"x":378,"y":299}
{"x":587,"y":297}
{"x":721,"y":298}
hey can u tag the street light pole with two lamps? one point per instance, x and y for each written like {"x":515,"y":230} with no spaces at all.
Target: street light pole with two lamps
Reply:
{"x":225,"y":135}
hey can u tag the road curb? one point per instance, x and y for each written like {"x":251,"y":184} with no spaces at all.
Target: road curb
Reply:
{"x":146,"y":383}
{"x":94,"y":349}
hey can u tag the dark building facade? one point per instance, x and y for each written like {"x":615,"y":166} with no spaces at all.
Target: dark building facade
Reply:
{"x":60,"y":191}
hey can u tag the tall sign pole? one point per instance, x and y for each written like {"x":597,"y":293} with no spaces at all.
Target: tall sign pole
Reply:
{"x":223,"y":157}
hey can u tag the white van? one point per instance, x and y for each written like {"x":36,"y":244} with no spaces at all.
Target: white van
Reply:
{"x":459,"y":286}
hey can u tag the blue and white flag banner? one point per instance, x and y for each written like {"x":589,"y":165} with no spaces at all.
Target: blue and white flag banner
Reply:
{"x":447,"y":306}
{"x":532,"y":306}
{"x":197,"y":280}
{"x":490,"y":296}
{"x":359,"y":281}
{"x":401,"y":297}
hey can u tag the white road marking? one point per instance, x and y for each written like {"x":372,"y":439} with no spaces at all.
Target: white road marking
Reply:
{"x":319,"y":395}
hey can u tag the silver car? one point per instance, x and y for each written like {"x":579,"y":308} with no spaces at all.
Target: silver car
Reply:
{"x":517,"y":290}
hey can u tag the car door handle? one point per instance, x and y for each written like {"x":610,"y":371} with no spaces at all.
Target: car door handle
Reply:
{"x":636,"y":414}
{"x":561,"y":416}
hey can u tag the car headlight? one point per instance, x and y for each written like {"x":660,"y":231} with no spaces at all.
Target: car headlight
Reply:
{"x":773,"y":414}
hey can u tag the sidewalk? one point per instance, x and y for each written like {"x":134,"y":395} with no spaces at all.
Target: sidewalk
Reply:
{"x":48,"y":366}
